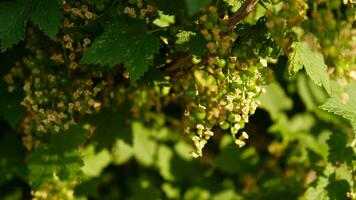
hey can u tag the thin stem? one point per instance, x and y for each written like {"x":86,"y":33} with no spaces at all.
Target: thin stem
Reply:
{"x":247,"y":7}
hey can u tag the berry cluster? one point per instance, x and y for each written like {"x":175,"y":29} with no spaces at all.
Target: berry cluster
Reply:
{"x":226,"y":84}
{"x":57,"y":88}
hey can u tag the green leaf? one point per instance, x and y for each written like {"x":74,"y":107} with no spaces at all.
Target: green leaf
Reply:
{"x":229,"y":194}
{"x":164,"y":20}
{"x":343,"y":107}
{"x":94,"y":163}
{"x":144,"y":190}
{"x":12,"y":154}
{"x":164,"y":157}
{"x":127,"y":43}
{"x":59,"y":159}
{"x":339,"y":152}
{"x":337,"y":189}
{"x":170,"y":191}
{"x":47,"y":15}
{"x":234,"y":4}
{"x":313,"y":62}
{"x":191,"y":42}
{"x":318,"y":191}
{"x":13,"y":18}
{"x":121,"y":152}
{"x":144,"y":147}
{"x":311,"y":95}
{"x":274,"y":94}
{"x":10,"y":107}
{"x":197,"y":193}
{"x":46,"y":165}
{"x":233,"y":160}
{"x":328,"y":188}
{"x":194,"y":6}
{"x":109,"y":125}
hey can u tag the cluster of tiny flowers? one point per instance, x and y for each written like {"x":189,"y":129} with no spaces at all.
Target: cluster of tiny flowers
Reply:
{"x":280,"y":24}
{"x":47,"y":98}
{"x":76,"y":14}
{"x":139,"y":9}
{"x":226,"y":88}
{"x":54,"y":99}
{"x":11,"y":78}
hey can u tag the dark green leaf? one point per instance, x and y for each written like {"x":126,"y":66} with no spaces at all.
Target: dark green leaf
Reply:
{"x":127,"y":43}
{"x":110,"y":125}
{"x":194,"y":6}
{"x":339,"y":152}
{"x":10,"y":107}
{"x":12,"y":154}
{"x":47,"y":15}
{"x":13,"y":18}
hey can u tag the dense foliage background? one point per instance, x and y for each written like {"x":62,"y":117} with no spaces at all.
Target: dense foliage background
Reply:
{"x":187,"y":99}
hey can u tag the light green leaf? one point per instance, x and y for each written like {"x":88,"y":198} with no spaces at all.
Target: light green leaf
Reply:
{"x":274,"y":94}
{"x":94,"y":163}
{"x":197,"y":193}
{"x":229,"y":194}
{"x":164,"y":20}
{"x":313,"y":62}
{"x":122,"y":152}
{"x":144,"y":148}
{"x":13,"y":18}
{"x":317,"y":192}
{"x":234,"y":4}
{"x":311,"y":95}
{"x":47,"y":15}
{"x":164,"y":157}
{"x":344,"y":107}
{"x":127,"y":43}
{"x":170,"y":191}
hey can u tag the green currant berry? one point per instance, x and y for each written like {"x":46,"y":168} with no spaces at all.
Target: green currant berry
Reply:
{"x":200,"y":115}
{"x":45,"y":100}
{"x":100,"y":7}
{"x":221,"y":76}
{"x":224,"y":126}
{"x":63,"y":81}
{"x":31,"y":64}
{"x":231,"y":65}
{"x":191,"y":118}
{"x":196,"y":60}
{"x":221,"y":63}
{"x":231,"y":117}
{"x":37,"y":86}
{"x":209,"y":25}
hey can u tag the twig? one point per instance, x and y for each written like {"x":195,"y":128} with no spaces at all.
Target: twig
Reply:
{"x":247,"y":7}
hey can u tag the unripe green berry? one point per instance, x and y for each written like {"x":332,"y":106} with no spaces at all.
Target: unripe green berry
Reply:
{"x":225,"y":125}
{"x":231,"y":65}
{"x":200,"y":115}
{"x":45,"y":100}
{"x":221,"y":76}
{"x":209,"y":25}
{"x":195,"y":60}
{"x":221,"y":63}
